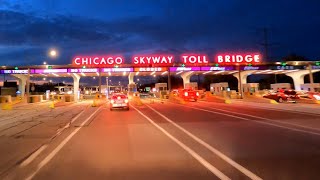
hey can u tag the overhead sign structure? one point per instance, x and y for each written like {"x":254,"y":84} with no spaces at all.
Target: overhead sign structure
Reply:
{"x":117,"y":70}
{"x":153,"y":59}
{"x":45,"y":71}
{"x":89,"y":70}
{"x":150,"y":69}
{"x":20,"y":71}
{"x":98,"y":60}
{"x":218,"y":68}
{"x":175,"y":69}
{"x":238,"y":59}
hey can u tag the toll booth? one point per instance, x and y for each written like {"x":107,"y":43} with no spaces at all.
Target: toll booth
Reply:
{"x":278,"y":86}
{"x":161,"y":89}
{"x":250,"y":88}
{"x":132,"y":87}
{"x":308,"y":87}
{"x":191,"y":85}
{"x":218,"y":88}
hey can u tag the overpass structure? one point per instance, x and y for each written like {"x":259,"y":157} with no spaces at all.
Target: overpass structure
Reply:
{"x":295,"y":69}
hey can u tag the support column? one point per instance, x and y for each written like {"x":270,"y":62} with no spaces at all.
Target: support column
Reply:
{"x":131,"y":76}
{"x":242,"y":79}
{"x":76,"y":82}
{"x":311,"y":78}
{"x":186,"y":77}
{"x":298,"y":78}
{"x":22,"y":83}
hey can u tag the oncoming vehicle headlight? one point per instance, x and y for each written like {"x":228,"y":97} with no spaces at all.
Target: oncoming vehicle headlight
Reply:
{"x":185,"y":93}
{"x":197,"y":94}
{"x":126,"y":100}
{"x":112,"y":101}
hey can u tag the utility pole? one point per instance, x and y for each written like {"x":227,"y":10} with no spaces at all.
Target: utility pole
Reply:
{"x":266,"y":45}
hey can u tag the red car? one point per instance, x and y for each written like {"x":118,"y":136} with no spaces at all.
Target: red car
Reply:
{"x":119,"y":100}
{"x":282,"y":96}
{"x":189,"y":94}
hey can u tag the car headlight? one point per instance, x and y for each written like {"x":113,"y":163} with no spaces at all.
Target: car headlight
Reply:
{"x":112,"y":101}
{"x":197,"y":94}
{"x":186,"y":94}
{"x":126,"y":100}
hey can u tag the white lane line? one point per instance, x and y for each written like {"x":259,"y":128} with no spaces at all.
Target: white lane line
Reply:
{"x":33,"y":156}
{"x":212,"y":149}
{"x":267,"y":119}
{"x":60,"y":146}
{"x":37,"y":153}
{"x":260,"y":122}
{"x":202,"y":161}
{"x":271,"y":108}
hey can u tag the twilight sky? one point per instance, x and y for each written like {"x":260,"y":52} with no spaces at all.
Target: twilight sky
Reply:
{"x":28,"y":28}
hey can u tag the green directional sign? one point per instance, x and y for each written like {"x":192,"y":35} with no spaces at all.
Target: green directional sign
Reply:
{"x":16,"y":68}
{"x":317,"y":63}
{"x":49,"y":67}
{"x":116,"y":66}
{"x":283,"y":63}
{"x":83,"y":67}
{"x":183,"y":65}
{"x":216,"y":65}
{"x":250,"y":64}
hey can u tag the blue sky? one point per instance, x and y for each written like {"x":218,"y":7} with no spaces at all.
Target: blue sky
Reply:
{"x":29,"y":28}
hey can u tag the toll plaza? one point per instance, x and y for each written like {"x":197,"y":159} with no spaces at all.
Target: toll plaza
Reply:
{"x":240,"y":66}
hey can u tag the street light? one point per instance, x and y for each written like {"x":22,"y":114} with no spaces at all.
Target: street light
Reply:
{"x":44,"y":63}
{"x":53,"y":53}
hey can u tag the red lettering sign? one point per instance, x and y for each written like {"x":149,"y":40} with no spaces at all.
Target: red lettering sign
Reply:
{"x":97,"y":60}
{"x":146,"y":60}
{"x":194,"y":59}
{"x":253,"y":58}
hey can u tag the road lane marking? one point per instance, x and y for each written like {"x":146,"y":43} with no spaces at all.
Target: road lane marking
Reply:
{"x":60,"y":146}
{"x":33,"y":156}
{"x":202,"y":161}
{"x":260,"y":122}
{"x":43,"y":147}
{"x":269,"y":108}
{"x":212,"y":149}
{"x":267,"y":119}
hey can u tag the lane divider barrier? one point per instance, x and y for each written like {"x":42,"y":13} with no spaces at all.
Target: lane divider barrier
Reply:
{"x":213,"y":98}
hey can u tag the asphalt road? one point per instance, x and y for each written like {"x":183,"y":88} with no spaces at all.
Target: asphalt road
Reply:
{"x":199,"y":140}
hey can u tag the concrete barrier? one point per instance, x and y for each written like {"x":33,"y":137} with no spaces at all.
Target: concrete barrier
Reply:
{"x":34,"y":98}
{"x":212,"y":98}
{"x":68,"y":98}
{"x":5,"y":99}
{"x":176,"y":99}
{"x":136,"y":100}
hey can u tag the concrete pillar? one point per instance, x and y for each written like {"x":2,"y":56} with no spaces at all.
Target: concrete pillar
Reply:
{"x":243,"y":75}
{"x":186,"y":77}
{"x":131,"y":76}
{"x":76,"y":82}
{"x":22,"y":82}
{"x":298,"y":78}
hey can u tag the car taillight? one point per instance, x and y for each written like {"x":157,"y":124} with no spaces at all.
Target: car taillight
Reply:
{"x":118,"y":97}
{"x":197,"y":94}
{"x":112,"y":101}
{"x":186,"y":94}
{"x":126,"y":100}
